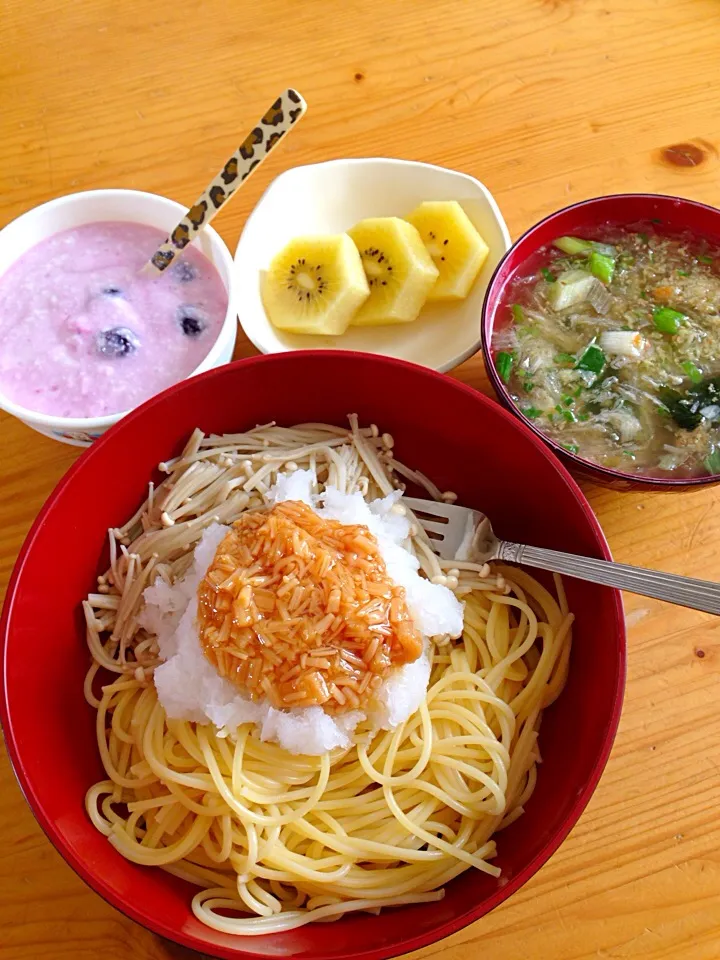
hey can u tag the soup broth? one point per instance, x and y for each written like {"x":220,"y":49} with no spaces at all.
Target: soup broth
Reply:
{"x":611,"y":345}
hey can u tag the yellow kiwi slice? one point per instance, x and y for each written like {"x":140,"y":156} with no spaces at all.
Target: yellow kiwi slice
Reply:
{"x":456,"y":247}
{"x":315,"y":285}
{"x":399,"y":271}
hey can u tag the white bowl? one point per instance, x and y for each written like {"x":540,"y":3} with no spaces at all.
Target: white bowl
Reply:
{"x":331,"y":197}
{"x":89,"y":206}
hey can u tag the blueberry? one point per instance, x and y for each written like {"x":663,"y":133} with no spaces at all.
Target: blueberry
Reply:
{"x":112,"y":292}
{"x":183,"y":271}
{"x":117,"y":342}
{"x":192,"y":321}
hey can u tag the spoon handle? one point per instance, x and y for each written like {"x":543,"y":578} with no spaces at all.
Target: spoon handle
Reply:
{"x":274,"y":124}
{"x":685,"y":591}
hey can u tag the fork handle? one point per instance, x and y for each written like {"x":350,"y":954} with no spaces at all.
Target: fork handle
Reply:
{"x":685,"y":591}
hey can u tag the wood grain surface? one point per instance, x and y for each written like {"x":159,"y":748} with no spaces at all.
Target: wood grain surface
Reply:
{"x":547,"y":102}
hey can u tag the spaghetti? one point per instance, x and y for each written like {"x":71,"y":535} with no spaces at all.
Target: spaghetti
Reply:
{"x":275,"y":840}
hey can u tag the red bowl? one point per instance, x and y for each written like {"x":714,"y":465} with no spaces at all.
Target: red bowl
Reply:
{"x":463,"y":441}
{"x":676,"y":215}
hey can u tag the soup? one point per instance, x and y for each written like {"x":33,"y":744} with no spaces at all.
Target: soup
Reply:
{"x":611,"y":346}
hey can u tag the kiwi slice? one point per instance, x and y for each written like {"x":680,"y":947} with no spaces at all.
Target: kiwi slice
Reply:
{"x":314,"y":285}
{"x":399,"y":271}
{"x":457,"y":249}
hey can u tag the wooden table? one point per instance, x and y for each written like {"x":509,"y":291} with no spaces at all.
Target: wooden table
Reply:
{"x":546,"y":101}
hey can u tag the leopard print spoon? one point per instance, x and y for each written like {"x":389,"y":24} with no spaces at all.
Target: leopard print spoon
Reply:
{"x":277,"y":121}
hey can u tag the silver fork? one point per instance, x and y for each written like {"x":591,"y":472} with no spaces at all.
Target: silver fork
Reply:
{"x":457,"y":533}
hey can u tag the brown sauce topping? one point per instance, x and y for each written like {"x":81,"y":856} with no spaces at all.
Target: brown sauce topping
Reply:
{"x":299,"y":611}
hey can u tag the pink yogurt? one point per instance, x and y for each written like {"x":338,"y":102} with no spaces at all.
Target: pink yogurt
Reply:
{"x":83,"y":333}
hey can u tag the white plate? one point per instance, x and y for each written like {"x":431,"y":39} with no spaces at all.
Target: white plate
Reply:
{"x":331,"y":197}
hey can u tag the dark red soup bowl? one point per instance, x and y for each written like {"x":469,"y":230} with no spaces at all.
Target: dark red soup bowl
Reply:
{"x":462,"y":440}
{"x":669,"y":216}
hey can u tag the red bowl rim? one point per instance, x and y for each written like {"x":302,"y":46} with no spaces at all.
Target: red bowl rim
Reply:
{"x":156,"y":924}
{"x":588,"y":466}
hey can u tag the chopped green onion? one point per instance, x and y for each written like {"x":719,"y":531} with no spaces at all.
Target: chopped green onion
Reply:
{"x":532,"y":412}
{"x":576,"y":393}
{"x":667,"y":320}
{"x":518,"y":313}
{"x":503,"y":365}
{"x":567,"y":401}
{"x":593,"y":359}
{"x":576,"y":246}
{"x":583,"y":417}
{"x":643,"y":294}
{"x":644,"y":237}
{"x":695,"y":373}
{"x":571,"y":447}
{"x":547,"y":275}
{"x":558,"y":408}
{"x":569,"y":416}
{"x":712,"y":463}
{"x":573,"y":245}
{"x":564,"y":358}
{"x":705,"y":259}
{"x":622,"y":343}
{"x":683,"y":273}
{"x":601,"y":266}
{"x":628,"y":454}
{"x":577,"y":286}
{"x":528,"y":386}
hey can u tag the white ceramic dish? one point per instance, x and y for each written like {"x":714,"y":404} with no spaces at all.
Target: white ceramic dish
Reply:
{"x":329,"y":198}
{"x":87,"y":207}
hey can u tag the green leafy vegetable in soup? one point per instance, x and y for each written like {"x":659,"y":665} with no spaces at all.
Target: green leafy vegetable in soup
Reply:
{"x":612,"y":348}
